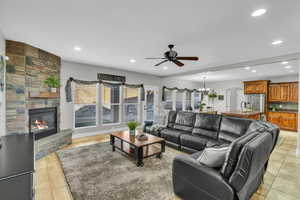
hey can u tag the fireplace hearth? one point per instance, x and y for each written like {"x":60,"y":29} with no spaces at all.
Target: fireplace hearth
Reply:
{"x":43,"y":122}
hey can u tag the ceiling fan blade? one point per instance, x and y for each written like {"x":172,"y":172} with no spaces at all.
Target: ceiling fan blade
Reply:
{"x":155,"y":58}
{"x":161,"y":62}
{"x":178,"y":63}
{"x":187,"y":58}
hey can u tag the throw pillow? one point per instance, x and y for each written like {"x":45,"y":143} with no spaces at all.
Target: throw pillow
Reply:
{"x":213,"y":157}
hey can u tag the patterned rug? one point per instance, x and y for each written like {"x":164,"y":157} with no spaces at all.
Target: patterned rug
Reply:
{"x":95,"y":172}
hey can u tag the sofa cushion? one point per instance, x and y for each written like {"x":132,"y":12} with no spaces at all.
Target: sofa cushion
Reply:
{"x":233,"y":127}
{"x":232,"y":155}
{"x":171,"y":119}
{"x":207,"y":125}
{"x":172,"y":135}
{"x":213,"y":156}
{"x":205,"y":133}
{"x":193,"y":142}
{"x":184,"y":121}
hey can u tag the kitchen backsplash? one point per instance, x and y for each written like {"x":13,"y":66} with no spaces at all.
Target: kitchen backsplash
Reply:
{"x":284,"y":106}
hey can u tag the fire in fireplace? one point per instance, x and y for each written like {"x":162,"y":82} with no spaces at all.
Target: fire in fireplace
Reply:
{"x":43,"y":122}
{"x":38,"y":125}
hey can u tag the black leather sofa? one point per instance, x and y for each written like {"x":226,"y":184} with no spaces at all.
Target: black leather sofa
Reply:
{"x":250,"y":145}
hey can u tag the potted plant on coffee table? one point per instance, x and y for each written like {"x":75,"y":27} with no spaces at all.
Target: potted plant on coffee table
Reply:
{"x":53,"y":83}
{"x":132,"y":126}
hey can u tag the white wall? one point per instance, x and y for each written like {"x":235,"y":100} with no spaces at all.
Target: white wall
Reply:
{"x":172,"y":82}
{"x":89,"y":72}
{"x":2,"y":94}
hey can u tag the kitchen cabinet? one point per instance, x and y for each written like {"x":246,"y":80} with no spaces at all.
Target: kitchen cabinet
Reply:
{"x":279,"y":92}
{"x":256,"y":87}
{"x":293,"y":92}
{"x":283,"y":92}
{"x":285,"y":120}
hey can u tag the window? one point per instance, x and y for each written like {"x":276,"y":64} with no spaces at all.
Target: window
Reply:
{"x":197,"y":100}
{"x":168,"y":103}
{"x":85,"y":105}
{"x":110,"y":104}
{"x":188,"y":101}
{"x":179,"y":99}
{"x":130,"y":104}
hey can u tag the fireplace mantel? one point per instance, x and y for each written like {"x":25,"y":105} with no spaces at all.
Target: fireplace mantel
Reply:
{"x":43,"y":95}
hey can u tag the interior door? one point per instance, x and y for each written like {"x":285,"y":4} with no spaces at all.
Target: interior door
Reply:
{"x":151,"y":103}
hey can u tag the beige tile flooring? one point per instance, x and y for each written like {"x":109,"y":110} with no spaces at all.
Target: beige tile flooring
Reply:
{"x":282,"y":180}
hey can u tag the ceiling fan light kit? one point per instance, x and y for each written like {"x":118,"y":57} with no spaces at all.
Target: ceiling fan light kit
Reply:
{"x":172,"y":56}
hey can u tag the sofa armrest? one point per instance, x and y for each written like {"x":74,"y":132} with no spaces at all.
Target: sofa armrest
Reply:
{"x":146,"y":124}
{"x":194,"y":181}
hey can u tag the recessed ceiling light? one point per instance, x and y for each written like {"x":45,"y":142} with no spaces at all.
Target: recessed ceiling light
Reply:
{"x":247,"y":68}
{"x":253,"y":71}
{"x":165,"y":67}
{"x":77,"y":48}
{"x":258,"y":12}
{"x":6,"y":58}
{"x":132,"y":60}
{"x":277,"y":42}
{"x":288,"y":67}
{"x":285,"y":62}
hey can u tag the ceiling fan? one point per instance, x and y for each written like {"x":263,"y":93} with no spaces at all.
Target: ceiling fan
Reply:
{"x":171,"y":56}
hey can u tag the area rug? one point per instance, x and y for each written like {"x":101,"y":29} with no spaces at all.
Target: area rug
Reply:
{"x":96,"y":173}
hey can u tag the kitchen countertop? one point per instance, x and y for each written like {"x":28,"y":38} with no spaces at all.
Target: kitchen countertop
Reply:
{"x":240,"y":113}
{"x":285,"y":111}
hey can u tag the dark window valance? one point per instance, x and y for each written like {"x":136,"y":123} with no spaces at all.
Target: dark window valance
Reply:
{"x":68,"y":88}
{"x":177,"y":89}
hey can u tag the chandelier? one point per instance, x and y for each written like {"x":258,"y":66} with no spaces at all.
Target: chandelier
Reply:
{"x":204,"y":90}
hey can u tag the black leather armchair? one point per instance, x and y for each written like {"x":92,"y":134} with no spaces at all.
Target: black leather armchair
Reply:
{"x":241,"y":174}
{"x":193,"y":181}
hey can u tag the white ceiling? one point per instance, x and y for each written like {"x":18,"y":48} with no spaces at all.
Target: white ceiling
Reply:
{"x":261,"y":72}
{"x":112,"y":32}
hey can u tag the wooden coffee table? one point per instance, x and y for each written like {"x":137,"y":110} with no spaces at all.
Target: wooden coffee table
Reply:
{"x":135,"y":148}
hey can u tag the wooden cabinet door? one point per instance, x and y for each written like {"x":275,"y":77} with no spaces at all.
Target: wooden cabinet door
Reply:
{"x":279,"y":92}
{"x":293,"y":92}
{"x":274,"y":92}
{"x":288,"y":121}
{"x":256,"y":87}
{"x":274,"y":118}
{"x":284,"y":92}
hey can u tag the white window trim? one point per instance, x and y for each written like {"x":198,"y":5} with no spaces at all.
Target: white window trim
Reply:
{"x":101,"y":107}
{"x":185,"y":100}
{"x":96,"y":104}
{"x":138,"y":105}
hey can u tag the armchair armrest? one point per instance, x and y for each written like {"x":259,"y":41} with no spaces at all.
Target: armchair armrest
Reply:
{"x":194,"y":181}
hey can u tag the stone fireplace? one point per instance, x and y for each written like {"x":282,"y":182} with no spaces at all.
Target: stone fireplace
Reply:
{"x":43,"y":122}
{"x":30,"y":106}
{"x":26,"y":93}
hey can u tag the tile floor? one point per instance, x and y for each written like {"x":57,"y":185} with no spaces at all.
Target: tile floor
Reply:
{"x":282,"y":180}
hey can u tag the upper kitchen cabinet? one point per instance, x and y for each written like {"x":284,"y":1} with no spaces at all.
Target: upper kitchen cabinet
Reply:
{"x":279,"y":92}
{"x":293,"y":92}
{"x":256,"y":87}
{"x":283,"y":92}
